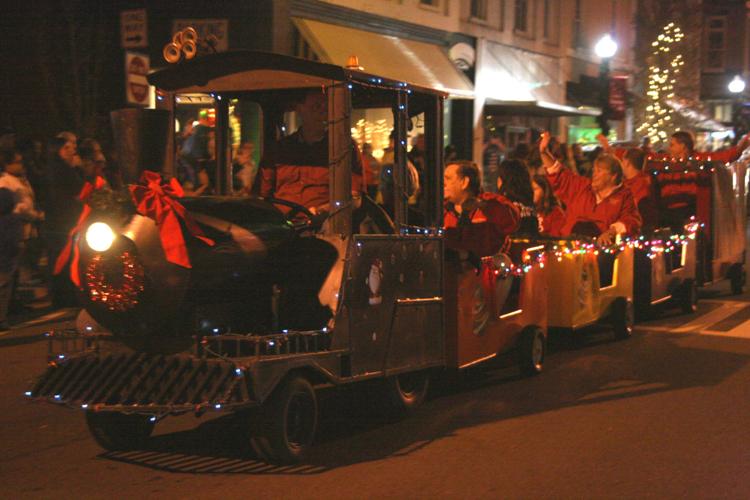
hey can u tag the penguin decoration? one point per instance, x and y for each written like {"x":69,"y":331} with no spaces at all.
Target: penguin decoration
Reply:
{"x":374,"y":282}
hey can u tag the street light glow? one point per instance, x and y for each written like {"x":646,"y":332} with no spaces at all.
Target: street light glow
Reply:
{"x":606,"y":47}
{"x":737,"y":85}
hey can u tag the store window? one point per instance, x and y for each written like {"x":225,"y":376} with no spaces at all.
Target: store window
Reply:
{"x":478,"y":9}
{"x":715,"y":43}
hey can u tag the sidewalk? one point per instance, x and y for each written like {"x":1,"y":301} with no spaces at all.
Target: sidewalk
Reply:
{"x":32,"y":326}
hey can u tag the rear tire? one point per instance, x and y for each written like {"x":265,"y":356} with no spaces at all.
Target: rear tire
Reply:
{"x":622,"y":318}
{"x":118,"y":431}
{"x":689,"y":296}
{"x":286,"y":424}
{"x":737,"y":278}
{"x":407,"y":391}
{"x":532,"y":348}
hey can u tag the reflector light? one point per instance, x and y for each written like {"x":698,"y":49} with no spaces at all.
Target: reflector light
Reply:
{"x":99,"y":236}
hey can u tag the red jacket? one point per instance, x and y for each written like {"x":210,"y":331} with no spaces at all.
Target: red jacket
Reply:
{"x":645,"y":199}
{"x":582,"y":206}
{"x":553,"y":222}
{"x":483,"y":225}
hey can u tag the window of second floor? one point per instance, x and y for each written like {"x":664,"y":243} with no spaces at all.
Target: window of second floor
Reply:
{"x":715,"y":44}
{"x":429,"y":3}
{"x":522,"y":19}
{"x":478,"y":9}
{"x":551,"y":21}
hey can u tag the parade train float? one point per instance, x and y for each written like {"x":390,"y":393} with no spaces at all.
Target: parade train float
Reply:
{"x":206,"y":301}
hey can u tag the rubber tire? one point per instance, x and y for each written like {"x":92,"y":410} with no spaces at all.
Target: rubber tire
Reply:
{"x":689,"y":296}
{"x":621,"y":317}
{"x":406,"y":392}
{"x":532,"y":348}
{"x":737,"y":278}
{"x":272,"y":440}
{"x":118,"y":431}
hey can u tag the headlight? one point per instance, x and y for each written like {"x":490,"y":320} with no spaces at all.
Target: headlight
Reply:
{"x":99,"y":236}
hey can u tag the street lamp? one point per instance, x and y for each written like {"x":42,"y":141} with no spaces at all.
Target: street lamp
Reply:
{"x":605,"y":48}
{"x":737,"y":87}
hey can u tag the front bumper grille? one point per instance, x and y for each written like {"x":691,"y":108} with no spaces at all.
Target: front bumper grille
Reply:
{"x":144,"y":383}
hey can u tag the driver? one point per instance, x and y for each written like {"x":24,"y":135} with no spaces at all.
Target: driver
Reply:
{"x":296,"y":168}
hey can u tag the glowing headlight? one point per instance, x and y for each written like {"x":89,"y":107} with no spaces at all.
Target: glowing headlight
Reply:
{"x":99,"y":236}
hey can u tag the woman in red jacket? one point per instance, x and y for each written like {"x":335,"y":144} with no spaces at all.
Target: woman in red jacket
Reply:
{"x":548,"y":209}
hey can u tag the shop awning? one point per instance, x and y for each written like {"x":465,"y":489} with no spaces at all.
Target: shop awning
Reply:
{"x":418,"y":63}
{"x":536,"y":108}
{"x":697,"y":118}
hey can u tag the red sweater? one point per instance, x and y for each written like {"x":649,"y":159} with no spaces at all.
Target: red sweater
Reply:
{"x":642,"y":190}
{"x":553,"y":222}
{"x":483,"y":225}
{"x":582,"y":206}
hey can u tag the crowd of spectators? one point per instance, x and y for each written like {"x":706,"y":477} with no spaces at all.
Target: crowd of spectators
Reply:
{"x":38,"y":207}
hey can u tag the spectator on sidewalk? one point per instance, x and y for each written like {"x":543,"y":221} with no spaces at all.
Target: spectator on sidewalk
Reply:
{"x":63,"y":185}
{"x":10,"y":243}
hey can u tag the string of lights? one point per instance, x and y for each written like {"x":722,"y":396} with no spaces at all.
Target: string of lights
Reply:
{"x":665,"y":64}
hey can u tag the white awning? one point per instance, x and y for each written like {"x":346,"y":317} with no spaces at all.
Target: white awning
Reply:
{"x":508,"y":74}
{"x":417,"y":63}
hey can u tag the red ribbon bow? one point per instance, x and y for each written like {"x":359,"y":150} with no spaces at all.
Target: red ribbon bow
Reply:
{"x":157,"y":200}
{"x":70,"y":246}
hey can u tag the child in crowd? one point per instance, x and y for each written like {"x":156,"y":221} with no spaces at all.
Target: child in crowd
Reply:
{"x":11,"y":233}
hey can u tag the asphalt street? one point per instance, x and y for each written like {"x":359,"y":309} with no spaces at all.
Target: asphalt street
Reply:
{"x":661,"y":415}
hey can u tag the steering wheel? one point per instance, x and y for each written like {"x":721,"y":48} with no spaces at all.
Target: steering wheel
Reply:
{"x":309,"y":220}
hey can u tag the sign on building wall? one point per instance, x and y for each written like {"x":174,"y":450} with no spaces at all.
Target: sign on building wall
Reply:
{"x":136,"y":86}
{"x":133,"y":29}
{"x":618,"y":97}
{"x":218,"y":28}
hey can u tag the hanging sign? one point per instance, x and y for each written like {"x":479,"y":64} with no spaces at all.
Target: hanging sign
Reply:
{"x":618,"y":88}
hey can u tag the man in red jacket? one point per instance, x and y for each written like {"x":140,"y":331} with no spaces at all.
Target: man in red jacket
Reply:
{"x":474,"y":222}
{"x":602,"y":201}
{"x":296,"y":168}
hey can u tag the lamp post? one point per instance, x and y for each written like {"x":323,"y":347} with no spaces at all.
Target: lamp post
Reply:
{"x":736,"y":88}
{"x":605,"y":48}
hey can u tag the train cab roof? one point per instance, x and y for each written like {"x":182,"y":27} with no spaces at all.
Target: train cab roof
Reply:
{"x":245,"y":70}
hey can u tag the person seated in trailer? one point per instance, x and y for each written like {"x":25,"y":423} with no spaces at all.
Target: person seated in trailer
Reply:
{"x":514,"y":183}
{"x":600,"y":205}
{"x":296,"y":168}
{"x":641,"y":187}
{"x":475,"y":222}
{"x":682,"y":147}
{"x":549,"y":211}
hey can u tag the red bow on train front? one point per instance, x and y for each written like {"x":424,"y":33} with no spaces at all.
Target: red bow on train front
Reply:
{"x":70,"y":246}
{"x":157,"y":200}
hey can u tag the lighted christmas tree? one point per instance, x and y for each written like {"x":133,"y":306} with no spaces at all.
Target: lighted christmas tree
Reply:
{"x":664,"y":63}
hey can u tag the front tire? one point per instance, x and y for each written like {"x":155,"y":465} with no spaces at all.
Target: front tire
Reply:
{"x":622,"y":318}
{"x":737,"y":278}
{"x":286,"y":423}
{"x":532,"y":348}
{"x":118,"y":431}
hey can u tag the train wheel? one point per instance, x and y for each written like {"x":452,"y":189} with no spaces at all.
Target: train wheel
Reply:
{"x":532,"y":347}
{"x":737,"y":278}
{"x":286,"y":423}
{"x":689,"y":297}
{"x":407,"y":391}
{"x":118,"y":431}
{"x":622,"y":317}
